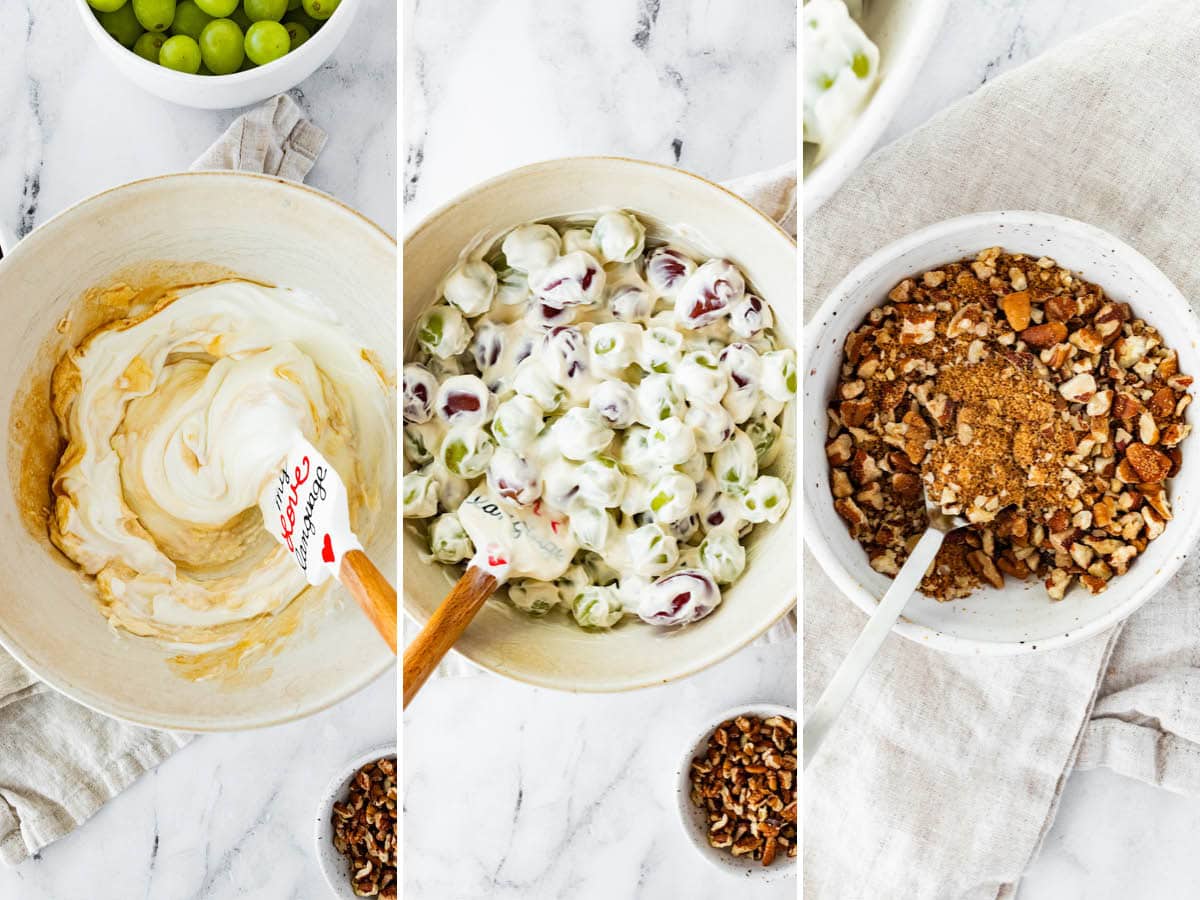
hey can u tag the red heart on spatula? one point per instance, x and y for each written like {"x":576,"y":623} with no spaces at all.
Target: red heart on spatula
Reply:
{"x":327,"y":550}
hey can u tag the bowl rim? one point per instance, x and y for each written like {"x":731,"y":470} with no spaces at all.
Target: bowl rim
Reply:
{"x":823,"y":551}
{"x":585,"y":159}
{"x":12,"y":646}
{"x":332,"y":791}
{"x":703,"y":662}
{"x":830,"y":173}
{"x":96,"y":30}
{"x":685,"y":812}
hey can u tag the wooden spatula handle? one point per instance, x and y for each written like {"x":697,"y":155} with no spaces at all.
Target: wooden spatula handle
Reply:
{"x":444,"y":627}
{"x":372,"y":591}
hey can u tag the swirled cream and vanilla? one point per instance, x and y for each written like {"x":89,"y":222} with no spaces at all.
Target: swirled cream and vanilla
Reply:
{"x":177,"y":422}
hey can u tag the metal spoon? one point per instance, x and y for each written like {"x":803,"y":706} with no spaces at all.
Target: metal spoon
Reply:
{"x":861,"y":655}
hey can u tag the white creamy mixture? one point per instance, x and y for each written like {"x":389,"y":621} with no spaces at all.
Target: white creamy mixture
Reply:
{"x":177,"y":422}
{"x":841,"y":67}
{"x":633,"y":390}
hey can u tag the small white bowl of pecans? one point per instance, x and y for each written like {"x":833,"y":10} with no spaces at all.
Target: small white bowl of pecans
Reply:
{"x":736,"y":788}
{"x":356,"y":827}
{"x":1028,"y":372}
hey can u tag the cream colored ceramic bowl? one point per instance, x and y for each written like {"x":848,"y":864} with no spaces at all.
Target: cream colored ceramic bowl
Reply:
{"x":224,"y":91}
{"x":904,"y":31}
{"x":261,"y":228}
{"x":1019,"y":617}
{"x":553,"y":652}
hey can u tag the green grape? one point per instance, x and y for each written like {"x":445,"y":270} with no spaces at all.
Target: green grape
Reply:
{"x":265,"y":10}
{"x":297,"y":32}
{"x":110,"y":5}
{"x":293,"y":4}
{"x":321,"y":9}
{"x":122,"y":24}
{"x":148,"y":45}
{"x":155,"y":15}
{"x":180,"y":53}
{"x":267,"y":42}
{"x":190,"y":19}
{"x":218,"y":9}
{"x":221,"y":46}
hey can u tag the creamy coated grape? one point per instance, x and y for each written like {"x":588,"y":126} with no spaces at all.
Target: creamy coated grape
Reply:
{"x":618,"y":382}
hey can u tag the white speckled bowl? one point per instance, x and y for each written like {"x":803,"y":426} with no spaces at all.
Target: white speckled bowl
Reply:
{"x":334,"y":865}
{"x":904,"y":31}
{"x":224,"y":91}
{"x":552,"y":652}
{"x":1020,"y":617}
{"x":263,"y":228}
{"x":692,"y":817}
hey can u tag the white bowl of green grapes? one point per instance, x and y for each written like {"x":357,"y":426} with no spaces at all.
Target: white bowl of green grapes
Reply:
{"x":217,"y":54}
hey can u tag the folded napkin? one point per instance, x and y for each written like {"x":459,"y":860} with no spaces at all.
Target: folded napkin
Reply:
{"x":772,"y":192}
{"x":944,"y":774}
{"x":59,"y":761}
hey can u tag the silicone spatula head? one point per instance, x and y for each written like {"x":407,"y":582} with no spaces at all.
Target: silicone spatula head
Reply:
{"x":516,"y":541}
{"x":306,"y":509}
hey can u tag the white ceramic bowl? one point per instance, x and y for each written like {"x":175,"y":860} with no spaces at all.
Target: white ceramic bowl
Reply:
{"x":333,"y":864}
{"x":224,"y":91}
{"x":552,"y":652}
{"x":262,"y":228}
{"x":693,"y":820}
{"x":904,"y":31}
{"x":1019,"y":617}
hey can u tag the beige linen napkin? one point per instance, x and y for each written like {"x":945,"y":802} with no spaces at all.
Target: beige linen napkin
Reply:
{"x":945,"y":772}
{"x":772,"y":192}
{"x":59,"y":761}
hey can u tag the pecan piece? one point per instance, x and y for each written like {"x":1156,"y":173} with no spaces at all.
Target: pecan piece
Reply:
{"x":1149,"y":464}
{"x":1045,"y":335}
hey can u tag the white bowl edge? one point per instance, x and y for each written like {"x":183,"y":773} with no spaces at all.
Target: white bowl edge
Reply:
{"x":224,"y":91}
{"x":691,"y":817}
{"x":825,"y":534}
{"x":897,"y":76}
{"x":332,"y":863}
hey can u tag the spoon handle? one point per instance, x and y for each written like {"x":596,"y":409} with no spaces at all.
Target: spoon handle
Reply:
{"x":372,"y":591}
{"x":445,"y":626}
{"x":859,"y":659}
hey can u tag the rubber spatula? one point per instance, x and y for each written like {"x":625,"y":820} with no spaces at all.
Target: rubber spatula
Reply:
{"x":510,"y":542}
{"x":306,"y":509}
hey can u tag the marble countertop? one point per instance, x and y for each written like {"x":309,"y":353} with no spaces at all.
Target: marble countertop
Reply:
{"x":74,"y":126}
{"x":229,"y":816}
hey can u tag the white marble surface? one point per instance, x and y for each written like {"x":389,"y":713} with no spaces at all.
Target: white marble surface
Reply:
{"x":231,"y":815}
{"x":73,"y":126}
{"x":490,"y":86}
{"x":1113,"y":838}
{"x":561,"y":795}
{"x":228,"y":816}
{"x":554,"y":795}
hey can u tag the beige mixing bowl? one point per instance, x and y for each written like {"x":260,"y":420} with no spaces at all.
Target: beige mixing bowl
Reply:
{"x":552,"y":651}
{"x":261,"y":228}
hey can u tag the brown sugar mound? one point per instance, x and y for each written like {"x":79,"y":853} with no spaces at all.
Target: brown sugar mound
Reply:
{"x":1020,"y":397}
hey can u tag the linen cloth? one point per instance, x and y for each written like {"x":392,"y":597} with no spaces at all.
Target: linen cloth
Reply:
{"x":945,"y":772}
{"x":772,"y":192}
{"x":59,"y":761}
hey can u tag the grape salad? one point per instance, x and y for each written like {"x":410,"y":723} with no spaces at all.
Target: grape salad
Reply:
{"x":630,"y":387}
